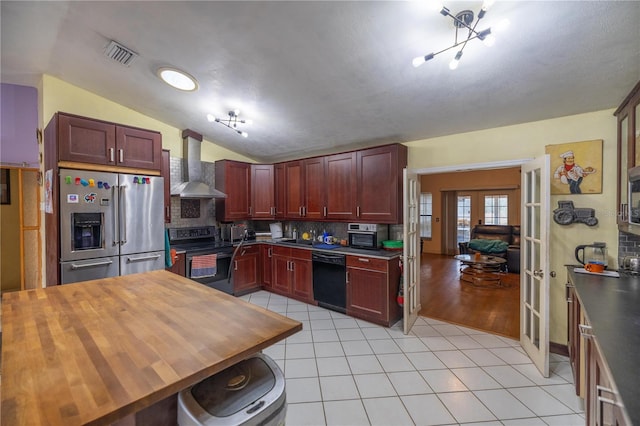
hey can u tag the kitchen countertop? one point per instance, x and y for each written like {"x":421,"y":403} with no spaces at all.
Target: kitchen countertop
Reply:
{"x":97,"y":351}
{"x":380,"y":254}
{"x":612,"y":306}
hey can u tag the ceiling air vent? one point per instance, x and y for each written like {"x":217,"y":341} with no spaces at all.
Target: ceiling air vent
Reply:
{"x":120,"y":53}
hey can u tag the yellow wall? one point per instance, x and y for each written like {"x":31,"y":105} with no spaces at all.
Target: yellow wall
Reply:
{"x":10,"y":238}
{"x":528,"y":141}
{"x":58,"y":95}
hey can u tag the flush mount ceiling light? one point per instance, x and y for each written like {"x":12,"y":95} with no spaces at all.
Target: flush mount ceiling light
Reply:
{"x":178,"y":79}
{"x":465,"y":21}
{"x":231,"y":122}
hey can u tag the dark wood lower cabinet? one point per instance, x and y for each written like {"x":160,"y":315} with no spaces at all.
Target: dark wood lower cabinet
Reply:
{"x":292,"y":274}
{"x":574,"y":343}
{"x":266,"y":265}
{"x":245,"y":270}
{"x":602,"y":405}
{"x":372,"y":286}
{"x":179,"y":265}
{"x":591,"y":375}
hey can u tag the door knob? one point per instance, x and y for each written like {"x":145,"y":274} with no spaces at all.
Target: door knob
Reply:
{"x":538,"y":273}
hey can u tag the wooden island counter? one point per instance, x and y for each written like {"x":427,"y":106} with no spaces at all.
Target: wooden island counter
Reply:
{"x":99,"y":351}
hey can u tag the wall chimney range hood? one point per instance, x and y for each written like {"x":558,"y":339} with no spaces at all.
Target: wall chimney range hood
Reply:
{"x":193,"y":185}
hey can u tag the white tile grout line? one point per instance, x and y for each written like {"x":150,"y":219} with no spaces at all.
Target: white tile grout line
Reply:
{"x":396,"y":334}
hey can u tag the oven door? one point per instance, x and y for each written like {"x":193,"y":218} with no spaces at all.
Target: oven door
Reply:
{"x":219,"y":280}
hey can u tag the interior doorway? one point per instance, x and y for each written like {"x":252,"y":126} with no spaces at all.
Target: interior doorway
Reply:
{"x":20,"y":246}
{"x":444,"y":296}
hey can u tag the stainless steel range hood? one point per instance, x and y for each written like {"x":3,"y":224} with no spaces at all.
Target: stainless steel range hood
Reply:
{"x":193,"y":185}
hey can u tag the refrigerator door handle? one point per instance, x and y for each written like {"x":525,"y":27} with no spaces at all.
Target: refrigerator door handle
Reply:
{"x":142,"y":258}
{"x":115,"y":215}
{"x":123,"y":207}
{"x":75,"y":266}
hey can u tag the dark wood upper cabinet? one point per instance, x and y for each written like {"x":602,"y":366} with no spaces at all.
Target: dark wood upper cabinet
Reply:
{"x":628,"y":117}
{"x":262,"y":191}
{"x":294,"y":186}
{"x":379,"y":183}
{"x":85,"y":140}
{"x":314,"y":189}
{"x":280,"y":190}
{"x":138,"y":148}
{"x":234,"y":179}
{"x":341,"y":186}
{"x":358,"y":186}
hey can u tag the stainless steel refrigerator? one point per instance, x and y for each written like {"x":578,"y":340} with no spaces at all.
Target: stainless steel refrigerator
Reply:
{"x":110,"y":224}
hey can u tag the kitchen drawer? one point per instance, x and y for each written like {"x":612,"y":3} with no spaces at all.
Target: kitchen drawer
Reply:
{"x":301,"y":254}
{"x":249,"y":249}
{"x":281,"y":251}
{"x":367,"y":263}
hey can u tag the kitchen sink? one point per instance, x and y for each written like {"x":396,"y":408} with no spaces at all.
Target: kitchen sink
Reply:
{"x":294,"y":241}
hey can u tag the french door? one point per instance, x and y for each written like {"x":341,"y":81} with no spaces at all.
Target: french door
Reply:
{"x":411,"y":252}
{"x":534,"y":261}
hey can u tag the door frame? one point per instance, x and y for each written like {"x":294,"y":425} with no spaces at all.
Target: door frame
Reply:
{"x":470,"y":167}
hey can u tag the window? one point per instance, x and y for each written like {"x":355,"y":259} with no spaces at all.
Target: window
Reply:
{"x":496,"y":210}
{"x":426,"y":207}
{"x":464,"y":218}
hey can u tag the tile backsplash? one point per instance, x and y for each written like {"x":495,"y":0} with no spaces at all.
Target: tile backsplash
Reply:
{"x":628,"y":244}
{"x":207,"y":215}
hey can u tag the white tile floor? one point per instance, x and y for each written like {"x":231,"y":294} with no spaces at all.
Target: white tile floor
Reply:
{"x":343,"y":371}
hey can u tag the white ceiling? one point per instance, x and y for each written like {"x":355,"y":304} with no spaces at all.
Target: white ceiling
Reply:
{"x":326,"y":76}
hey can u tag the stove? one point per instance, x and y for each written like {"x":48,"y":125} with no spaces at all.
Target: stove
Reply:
{"x":628,"y":273}
{"x":204,"y":241}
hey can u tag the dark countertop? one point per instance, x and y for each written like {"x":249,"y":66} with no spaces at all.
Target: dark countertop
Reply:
{"x":612,"y":306}
{"x":380,"y":254}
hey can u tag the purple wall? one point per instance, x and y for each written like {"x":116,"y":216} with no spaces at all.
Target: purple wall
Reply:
{"x":18,"y":124}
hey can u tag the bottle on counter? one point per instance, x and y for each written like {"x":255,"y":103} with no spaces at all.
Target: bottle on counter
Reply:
{"x":294,"y":234}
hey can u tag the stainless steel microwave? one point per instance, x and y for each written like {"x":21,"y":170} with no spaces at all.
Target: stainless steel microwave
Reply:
{"x":367,"y":235}
{"x":634,"y":195}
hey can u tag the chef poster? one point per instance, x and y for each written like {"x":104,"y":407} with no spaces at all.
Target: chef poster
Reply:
{"x":576,"y":168}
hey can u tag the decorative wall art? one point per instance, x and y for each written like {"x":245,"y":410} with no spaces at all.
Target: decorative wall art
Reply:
{"x":576,"y":167}
{"x":566,"y":214}
{"x":189,"y":208}
{"x":5,"y":193}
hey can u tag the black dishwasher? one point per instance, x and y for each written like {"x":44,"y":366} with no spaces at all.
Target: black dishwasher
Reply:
{"x":330,"y":280}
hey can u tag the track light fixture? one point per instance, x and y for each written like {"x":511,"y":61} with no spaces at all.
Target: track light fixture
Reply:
{"x":231,"y":122}
{"x":462,"y":21}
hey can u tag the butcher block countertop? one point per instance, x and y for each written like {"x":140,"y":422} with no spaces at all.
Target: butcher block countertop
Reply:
{"x":97,"y":351}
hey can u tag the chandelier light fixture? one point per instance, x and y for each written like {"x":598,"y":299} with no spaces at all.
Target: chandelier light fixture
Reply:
{"x":231,"y":122}
{"x":465,"y":21}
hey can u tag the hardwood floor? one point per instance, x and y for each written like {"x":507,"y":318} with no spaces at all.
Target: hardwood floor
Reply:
{"x":445,"y":297}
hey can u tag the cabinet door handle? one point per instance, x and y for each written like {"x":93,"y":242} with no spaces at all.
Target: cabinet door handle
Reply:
{"x":111,"y":159}
{"x":304,"y":211}
{"x":347,"y":277}
{"x":235,"y":265}
{"x":567,"y":286}
{"x":121,"y":153}
{"x":358,"y":211}
{"x":585,"y":331}
{"x":293,"y":266}
{"x":324,"y":211}
{"x":362,"y":259}
{"x":300,"y":211}
{"x":569,"y":300}
{"x":166,"y":211}
{"x":269,"y":252}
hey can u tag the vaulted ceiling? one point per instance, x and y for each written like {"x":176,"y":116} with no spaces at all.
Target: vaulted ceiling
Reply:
{"x":319,"y":76}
